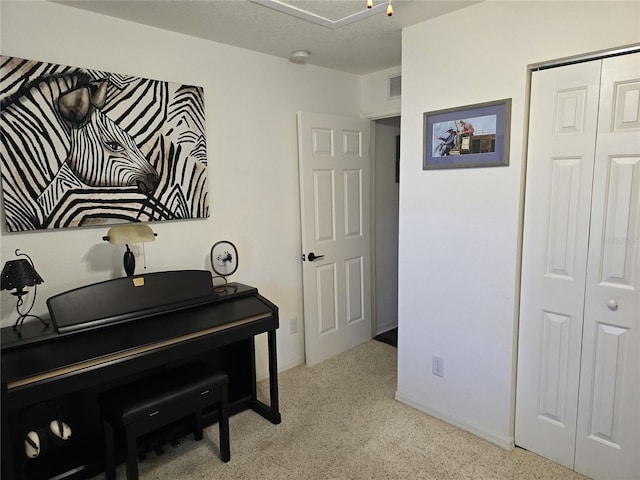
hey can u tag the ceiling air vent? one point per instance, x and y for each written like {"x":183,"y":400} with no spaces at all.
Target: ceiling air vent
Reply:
{"x":395,"y":86}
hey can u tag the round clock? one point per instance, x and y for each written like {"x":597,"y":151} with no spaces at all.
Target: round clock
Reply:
{"x":224,"y":258}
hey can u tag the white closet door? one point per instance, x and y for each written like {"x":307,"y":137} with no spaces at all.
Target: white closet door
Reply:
{"x":562,"y":131}
{"x":608,"y":439}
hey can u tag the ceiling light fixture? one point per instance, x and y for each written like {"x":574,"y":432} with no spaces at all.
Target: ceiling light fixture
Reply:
{"x":389,"y":7}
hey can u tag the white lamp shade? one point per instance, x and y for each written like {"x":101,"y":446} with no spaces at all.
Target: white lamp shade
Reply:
{"x":130,"y":234}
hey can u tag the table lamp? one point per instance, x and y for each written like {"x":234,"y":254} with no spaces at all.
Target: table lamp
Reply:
{"x":19,"y":274}
{"x":126,"y":235}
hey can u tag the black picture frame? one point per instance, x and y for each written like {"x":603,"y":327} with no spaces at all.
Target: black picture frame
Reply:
{"x":470,"y":136}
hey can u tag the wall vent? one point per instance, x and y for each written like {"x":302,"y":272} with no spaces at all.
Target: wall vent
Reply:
{"x":395,"y":86}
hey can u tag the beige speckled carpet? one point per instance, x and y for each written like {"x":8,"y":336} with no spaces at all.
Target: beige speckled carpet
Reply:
{"x":340,"y":421}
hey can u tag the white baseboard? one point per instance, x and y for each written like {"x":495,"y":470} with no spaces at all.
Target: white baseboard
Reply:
{"x":385,"y":327}
{"x":281,"y":368}
{"x":506,"y":442}
{"x":290,"y":364}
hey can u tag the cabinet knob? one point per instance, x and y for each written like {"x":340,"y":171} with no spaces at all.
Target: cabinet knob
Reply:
{"x":612,"y":305}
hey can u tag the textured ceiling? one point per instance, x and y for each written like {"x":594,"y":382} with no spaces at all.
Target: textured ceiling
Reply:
{"x":370,"y":44}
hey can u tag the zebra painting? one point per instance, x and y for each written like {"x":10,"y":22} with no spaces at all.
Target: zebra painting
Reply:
{"x":83,"y":147}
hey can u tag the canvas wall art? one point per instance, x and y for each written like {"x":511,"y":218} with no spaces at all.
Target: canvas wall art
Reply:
{"x":84,"y":147}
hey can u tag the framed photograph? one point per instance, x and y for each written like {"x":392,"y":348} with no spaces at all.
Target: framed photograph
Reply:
{"x":470,"y":136}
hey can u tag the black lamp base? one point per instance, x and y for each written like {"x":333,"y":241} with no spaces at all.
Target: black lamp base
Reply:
{"x":129,"y":262}
{"x":22,"y":316}
{"x":20,"y":321}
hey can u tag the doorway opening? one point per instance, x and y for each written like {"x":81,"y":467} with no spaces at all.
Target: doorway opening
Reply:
{"x":386,"y":188}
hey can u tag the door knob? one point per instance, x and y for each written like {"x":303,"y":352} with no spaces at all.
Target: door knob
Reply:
{"x":312,"y":256}
{"x":612,"y":305}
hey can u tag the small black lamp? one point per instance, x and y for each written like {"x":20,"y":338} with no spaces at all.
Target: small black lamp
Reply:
{"x":19,"y":274}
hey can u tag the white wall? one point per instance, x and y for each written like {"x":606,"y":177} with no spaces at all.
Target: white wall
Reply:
{"x":459,"y":229}
{"x":375,"y":94}
{"x":251,"y":104}
{"x":386,"y":224}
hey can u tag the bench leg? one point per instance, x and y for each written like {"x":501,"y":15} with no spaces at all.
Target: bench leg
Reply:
{"x":197,"y":427}
{"x":223,"y":422}
{"x":109,"y":453}
{"x":132,"y":456}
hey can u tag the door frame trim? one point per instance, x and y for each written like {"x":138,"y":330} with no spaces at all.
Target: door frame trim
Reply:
{"x":587,"y":57}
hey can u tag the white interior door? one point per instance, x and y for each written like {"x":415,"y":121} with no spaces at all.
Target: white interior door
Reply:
{"x":335,"y":213}
{"x":578,"y":389}
{"x":562,"y":128}
{"x":608,"y":436}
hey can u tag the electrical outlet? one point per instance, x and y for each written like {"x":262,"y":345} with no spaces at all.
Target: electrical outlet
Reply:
{"x":437,"y":366}
{"x":293,"y":326}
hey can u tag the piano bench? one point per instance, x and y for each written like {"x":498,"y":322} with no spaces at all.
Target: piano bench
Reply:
{"x":156,"y":402}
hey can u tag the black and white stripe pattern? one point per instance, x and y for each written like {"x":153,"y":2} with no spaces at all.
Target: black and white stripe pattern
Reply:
{"x":135,"y":150}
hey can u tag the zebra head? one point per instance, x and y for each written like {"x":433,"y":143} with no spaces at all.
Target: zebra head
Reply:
{"x":102,"y":154}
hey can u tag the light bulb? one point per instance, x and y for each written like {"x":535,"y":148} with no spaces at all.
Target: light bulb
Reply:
{"x":389,"y":9}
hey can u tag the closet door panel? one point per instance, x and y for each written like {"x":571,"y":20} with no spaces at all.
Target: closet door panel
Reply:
{"x":608,"y":429}
{"x":563,"y":122}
